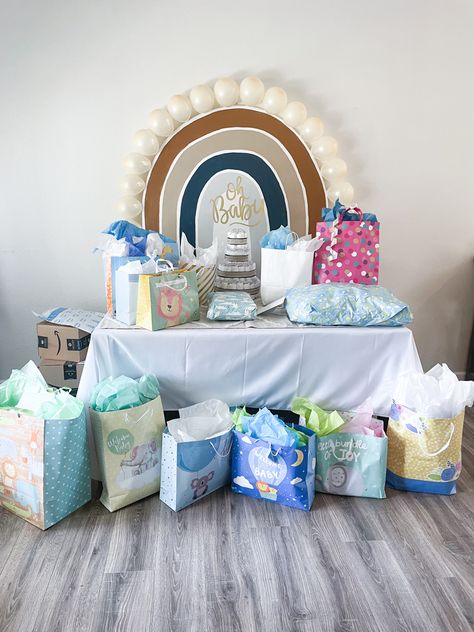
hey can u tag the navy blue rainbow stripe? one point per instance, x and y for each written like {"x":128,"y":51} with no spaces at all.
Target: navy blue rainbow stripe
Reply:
{"x":248,"y":163}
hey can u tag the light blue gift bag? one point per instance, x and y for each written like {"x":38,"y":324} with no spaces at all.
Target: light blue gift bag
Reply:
{"x":191,"y":470}
{"x":44,"y":466}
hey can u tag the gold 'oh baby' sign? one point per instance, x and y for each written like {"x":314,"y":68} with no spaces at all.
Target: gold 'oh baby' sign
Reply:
{"x":235,"y":207}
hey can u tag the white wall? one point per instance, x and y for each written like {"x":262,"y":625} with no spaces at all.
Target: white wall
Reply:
{"x":391,"y":80}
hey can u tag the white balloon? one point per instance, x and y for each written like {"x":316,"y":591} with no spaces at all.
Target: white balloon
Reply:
{"x":136,"y":163}
{"x":324,"y":147}
{"x":342,"y":190}
{"x":226,"y":91}
{"x":275,"y":100}
{"x":202,"y":98}
{"x":294,"y":114}
{"x":333,"y":169}
{"x":161,"y":122}
{"x":180,"y":108}
{"x":129,"y":207}
{"x":311,"y":129}
{"x":131,"y":184}
{"x":252,"y":91}
{"x":146,"y":142}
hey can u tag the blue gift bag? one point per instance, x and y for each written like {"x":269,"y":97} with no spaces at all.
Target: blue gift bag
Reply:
{"x":191,"y":470}
{"x":284,"y":475}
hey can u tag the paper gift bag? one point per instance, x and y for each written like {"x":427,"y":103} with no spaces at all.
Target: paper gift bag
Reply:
{"x":424,"y":455}
{"x":128,"y":445}
{"x":126,"y":286}
{"x":44,"y":467}
{"x":350,"y":253}
{"x":193,"y":469}
{"x":167,"y":299}
{"x":282,"y":270}
{"x":351,"y":465}
{"x":111,"y":265}
{"x":205,"y":276}
{"x":279,"y":474}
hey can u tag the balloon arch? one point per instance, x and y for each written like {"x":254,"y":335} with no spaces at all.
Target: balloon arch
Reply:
{"x":244,"y":129}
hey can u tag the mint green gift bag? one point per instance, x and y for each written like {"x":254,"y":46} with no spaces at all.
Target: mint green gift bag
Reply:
{"x":351,"y":450}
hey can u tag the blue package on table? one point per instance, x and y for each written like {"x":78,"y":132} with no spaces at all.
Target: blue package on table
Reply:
{"x":348,"y":304}
{"x":284,"y":475}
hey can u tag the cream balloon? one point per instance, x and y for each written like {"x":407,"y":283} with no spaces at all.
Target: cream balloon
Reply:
{"x":136,"y":163}
{"x":342,"y":190}
{"x":161,"y":122}
{"x":146,"y":142}
{"x":275,"y":100}
{"x":311,"y":129}
{"x":252,"y":91}
{"x":334,"y":169}
{"x":129,"y":206}
{"x":226,"y":91}
{"x":131,"y":184}
{"x":324,"y":148}
{"x":202,"y":99}
{"x":294,"y":114}
{"x":180,"y":108}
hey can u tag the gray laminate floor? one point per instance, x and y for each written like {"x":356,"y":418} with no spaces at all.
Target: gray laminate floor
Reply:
{"x":233,"y":563}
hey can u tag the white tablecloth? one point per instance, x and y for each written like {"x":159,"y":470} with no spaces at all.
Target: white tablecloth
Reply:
{"x":337,"y":367}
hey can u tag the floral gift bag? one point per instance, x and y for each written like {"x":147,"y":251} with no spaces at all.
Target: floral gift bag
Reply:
{"x":425,"y":431}
{"x":350,"y":252}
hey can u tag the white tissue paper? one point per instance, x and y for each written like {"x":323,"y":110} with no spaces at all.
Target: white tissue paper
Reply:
{"x":202,"y":257}
{"x":306,"y":244}
{"x":437,"y":394}
{"x":206,"y":420}
{"x":154,"y":245}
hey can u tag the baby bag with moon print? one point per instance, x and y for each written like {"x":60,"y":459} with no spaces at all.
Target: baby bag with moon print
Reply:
{"x":424,"y":455}
{"x":279,"y":474}
{"x":350,"y":464}
{"x":167,"y":299}
{"x":350,"y":252}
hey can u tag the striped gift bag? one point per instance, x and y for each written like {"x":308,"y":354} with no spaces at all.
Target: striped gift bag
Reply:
{"x":205,"y":279}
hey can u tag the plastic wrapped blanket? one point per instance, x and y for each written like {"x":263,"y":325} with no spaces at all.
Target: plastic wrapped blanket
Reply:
{"x":346,"y":304}
{"x":231,"y":306}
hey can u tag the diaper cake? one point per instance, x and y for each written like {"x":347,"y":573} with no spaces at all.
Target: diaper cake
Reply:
{"x":237,"y":271}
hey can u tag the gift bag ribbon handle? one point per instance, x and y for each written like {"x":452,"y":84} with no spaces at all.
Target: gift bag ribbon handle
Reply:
{"x":355,"y":209}
{"x":445,"y":446}
{"x":158,"y":261}
{"x":172,"y":286}
{"x":225,"y":453}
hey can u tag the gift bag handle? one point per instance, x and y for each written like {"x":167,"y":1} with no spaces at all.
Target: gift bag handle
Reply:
{"x":224,"y":454}
{"x":158,"y":261}
{"x":172,"y":287}
{"x":446,"y":445}
{"x":291,"y":235}
{"x":354,"y":209}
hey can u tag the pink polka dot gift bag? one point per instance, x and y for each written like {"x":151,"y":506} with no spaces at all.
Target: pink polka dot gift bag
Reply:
{"x":350,"y":252}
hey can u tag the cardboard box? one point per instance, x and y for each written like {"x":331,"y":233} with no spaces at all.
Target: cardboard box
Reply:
{"x":60,"y":342}
{"x":61,"y":374}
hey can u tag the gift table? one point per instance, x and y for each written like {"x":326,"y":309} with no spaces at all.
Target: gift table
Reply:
{"x":260,"y":363}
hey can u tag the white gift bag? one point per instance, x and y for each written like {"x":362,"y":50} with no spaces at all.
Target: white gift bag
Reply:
{"x":283,"y":270}
{"x":126,"y":286}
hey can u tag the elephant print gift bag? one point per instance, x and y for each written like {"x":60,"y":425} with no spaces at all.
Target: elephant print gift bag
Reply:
{"x":128,"y":445}
{"x":167,"y":299}
{"x":350,"y":252}
{"x":196,"y":453}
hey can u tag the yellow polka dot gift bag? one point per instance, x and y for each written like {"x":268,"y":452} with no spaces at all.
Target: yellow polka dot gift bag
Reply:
{"x":425,"y":431}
